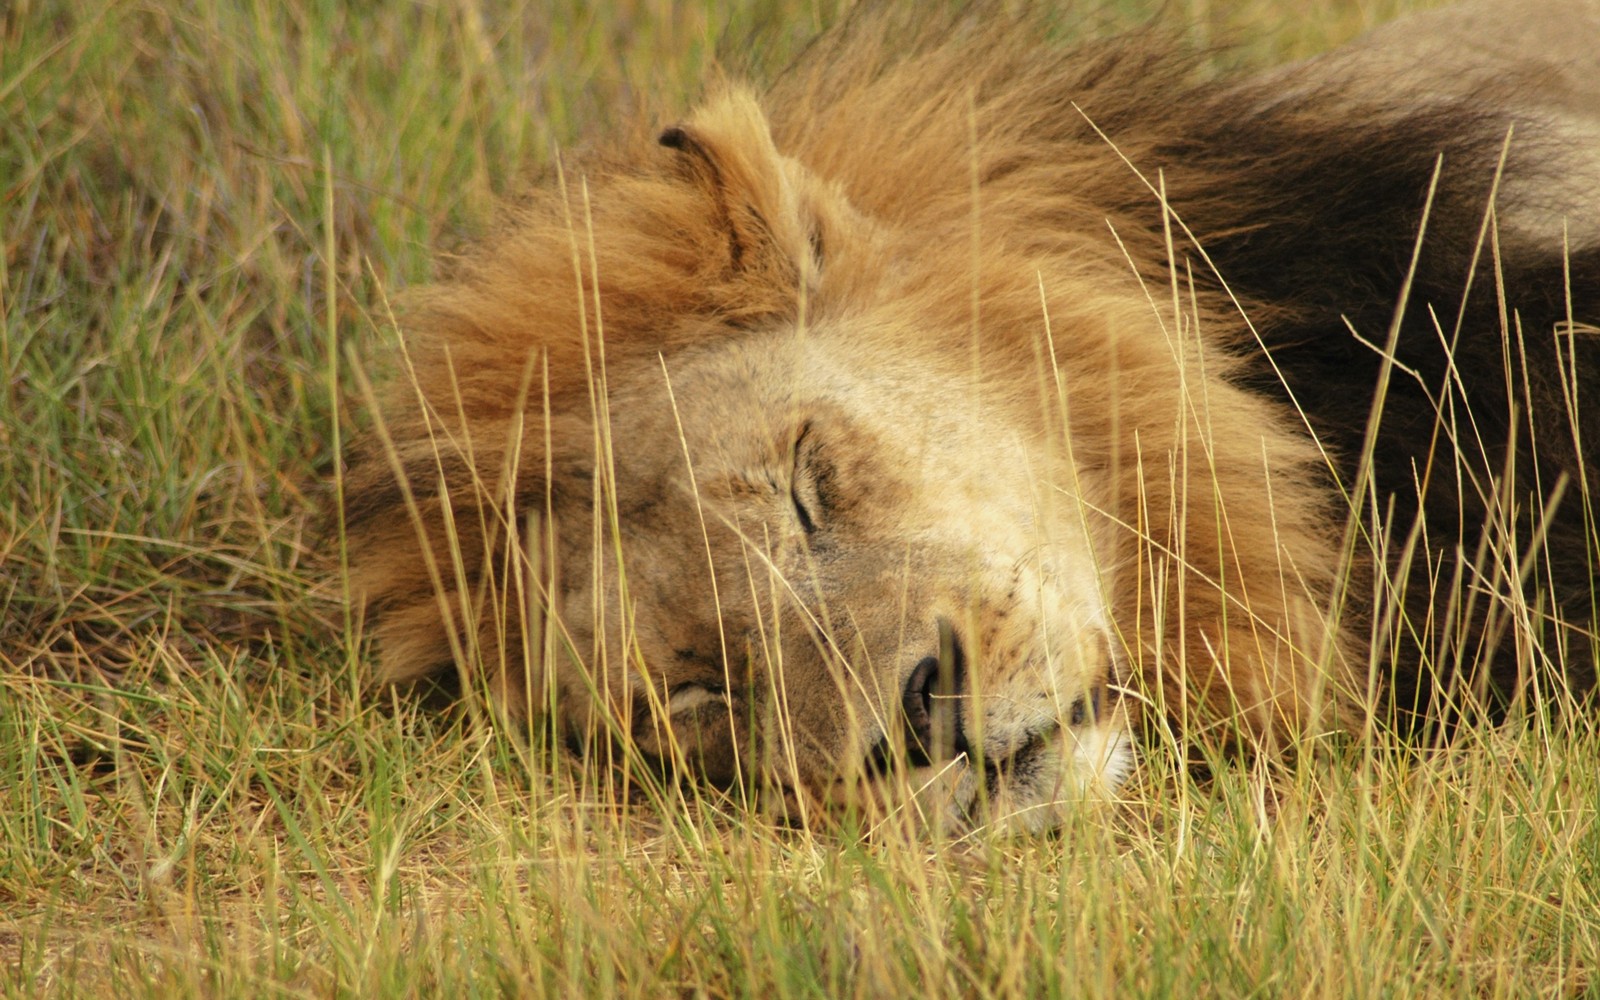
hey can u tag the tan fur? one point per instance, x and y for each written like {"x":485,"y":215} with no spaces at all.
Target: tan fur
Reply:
{"x":925,"y":297}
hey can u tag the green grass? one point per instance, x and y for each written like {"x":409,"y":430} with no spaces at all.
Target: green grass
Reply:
{"x":205,"y":209}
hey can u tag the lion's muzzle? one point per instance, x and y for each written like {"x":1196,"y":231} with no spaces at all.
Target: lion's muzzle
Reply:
{"x":931,"y":703}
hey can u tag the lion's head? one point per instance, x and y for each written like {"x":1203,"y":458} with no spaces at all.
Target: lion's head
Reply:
{"x":849,"y":462}
{"x":831,"y":561}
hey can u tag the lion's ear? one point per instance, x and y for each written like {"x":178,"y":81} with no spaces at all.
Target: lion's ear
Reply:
{"x":727,"y":148}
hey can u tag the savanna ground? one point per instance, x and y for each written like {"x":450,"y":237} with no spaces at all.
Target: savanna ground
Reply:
{"x":205,"y":211}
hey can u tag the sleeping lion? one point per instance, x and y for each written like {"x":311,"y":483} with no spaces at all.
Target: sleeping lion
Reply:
{"x":917,"y":430}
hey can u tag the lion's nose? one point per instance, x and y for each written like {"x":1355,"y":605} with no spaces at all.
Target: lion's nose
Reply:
{"x":931,"y":703}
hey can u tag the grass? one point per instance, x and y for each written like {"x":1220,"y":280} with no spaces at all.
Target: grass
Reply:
{"x":204,"y":210}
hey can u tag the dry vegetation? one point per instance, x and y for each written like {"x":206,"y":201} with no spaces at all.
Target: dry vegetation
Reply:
{"x":204,"y":209}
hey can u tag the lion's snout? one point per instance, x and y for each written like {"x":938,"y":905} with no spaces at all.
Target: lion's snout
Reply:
{"x":931,"y":703}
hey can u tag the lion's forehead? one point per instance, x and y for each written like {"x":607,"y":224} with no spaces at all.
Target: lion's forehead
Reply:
{"x":882,"y":421}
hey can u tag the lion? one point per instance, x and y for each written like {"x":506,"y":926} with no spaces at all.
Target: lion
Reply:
{"x":925,"y":427}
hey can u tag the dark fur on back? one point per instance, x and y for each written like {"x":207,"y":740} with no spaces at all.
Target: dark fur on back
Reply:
{"x":1483,"y":361}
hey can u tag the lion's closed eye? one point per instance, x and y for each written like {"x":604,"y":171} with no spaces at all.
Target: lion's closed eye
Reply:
{"x":803,"y":494}
{"x":691,"y":696}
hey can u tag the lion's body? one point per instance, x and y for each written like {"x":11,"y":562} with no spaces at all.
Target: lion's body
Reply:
{"x":1051,"y":367}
